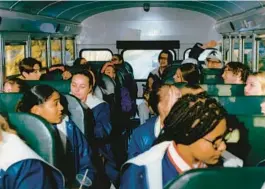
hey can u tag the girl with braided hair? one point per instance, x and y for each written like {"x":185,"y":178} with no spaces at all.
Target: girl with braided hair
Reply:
{"x":193,"y":135}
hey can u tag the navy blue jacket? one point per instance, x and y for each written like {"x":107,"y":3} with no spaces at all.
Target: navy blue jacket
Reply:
{"x":142,"y":138}
{"x":31,"y":174}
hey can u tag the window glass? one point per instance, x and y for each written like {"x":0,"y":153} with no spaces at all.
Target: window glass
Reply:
{"x":248,"y":52}
{"x":39,"y":51}
{"x":262,"y":54}
{"x":236,"y":50}
{"x":56,"y":45}
{"x":96,"y":55}
{"x":13,"y":55}
{"x":69,"y":51}
{"x":186,"y":55}
{"x":142,"y":61}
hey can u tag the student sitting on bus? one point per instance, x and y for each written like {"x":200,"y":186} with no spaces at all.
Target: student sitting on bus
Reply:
{"x":21,"y":167}
{"x":124,"y":74}
{"x":109,"y":70}
{"x":121,"y":65}
{"x":45,"y":101}
{"x":165,"y":59}
{"x":188,"y":73}
{"x":193,"y":135}
{"x":143,"y":108}
{"x":144,"y":136}
{"x":255,"y":85}
{"x":235,"y":73}
{"x":214,"y":57}
{"x":30,"y":69}
{"x":80,"y":61}
{"x":57,"y":72}
{"x":15,"y":85}
{"x":82,"y":88}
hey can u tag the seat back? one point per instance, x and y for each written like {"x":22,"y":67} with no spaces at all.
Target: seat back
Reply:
{"x":228,"y":178}
{"x":37,"y":133}
{"x":169,"y":73}
{"x":256,"y":133}
{"x":212,"y":76}
{"x":224,"y":89}
{"x":9,"y":101}
{"x":62,"y":86}
{"x":76,"y":110}
{"x":242,"y":105}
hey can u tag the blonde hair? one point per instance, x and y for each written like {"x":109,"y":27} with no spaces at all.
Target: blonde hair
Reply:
{"x":4,"y":126}
{"x":168,"y":96}
{"x":261,"y":79}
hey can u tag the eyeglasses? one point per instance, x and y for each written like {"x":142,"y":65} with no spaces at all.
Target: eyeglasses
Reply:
{"x":114,"y":59}
{"x":219,"y":140}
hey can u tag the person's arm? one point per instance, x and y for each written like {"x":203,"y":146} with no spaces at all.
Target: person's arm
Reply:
{"x":198,"y":48}
{"x":31,"y":174}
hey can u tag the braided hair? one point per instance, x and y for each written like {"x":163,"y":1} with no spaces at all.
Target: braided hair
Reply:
{"x":191,"y":118}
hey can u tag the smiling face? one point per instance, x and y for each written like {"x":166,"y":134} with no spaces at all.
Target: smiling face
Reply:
{"x":50,"y":110}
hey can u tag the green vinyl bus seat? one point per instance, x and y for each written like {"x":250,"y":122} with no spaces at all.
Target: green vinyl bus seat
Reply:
{"x":37,"y":133}
{"x":224,"y":89}
{"x":212,"y":76}
{"x":242,"y":105}
{"x":9,"y":101}
{"x":225,"y":178}
{"x":256,"y":133}
{"x":62,"y":86}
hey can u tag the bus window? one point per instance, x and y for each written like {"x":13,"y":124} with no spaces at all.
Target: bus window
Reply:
{"x":142,"y":61}
{"x":56,"y":45}
{"x":248,"y":52}
{"x":226,"y":50}
{"x":39,"y":51}
{"x":262,"y":54}
{"x":14,"y":53}
{"x":186,"y":53}
{"x":69,"y":51}
{"x":96,"y":54}
{"x":236,"y":50}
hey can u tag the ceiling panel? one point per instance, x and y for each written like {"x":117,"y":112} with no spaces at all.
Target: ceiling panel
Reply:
{"x":80,"y":10}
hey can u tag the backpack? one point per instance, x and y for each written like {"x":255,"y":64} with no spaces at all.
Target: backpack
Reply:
{"x":126,"y":101}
